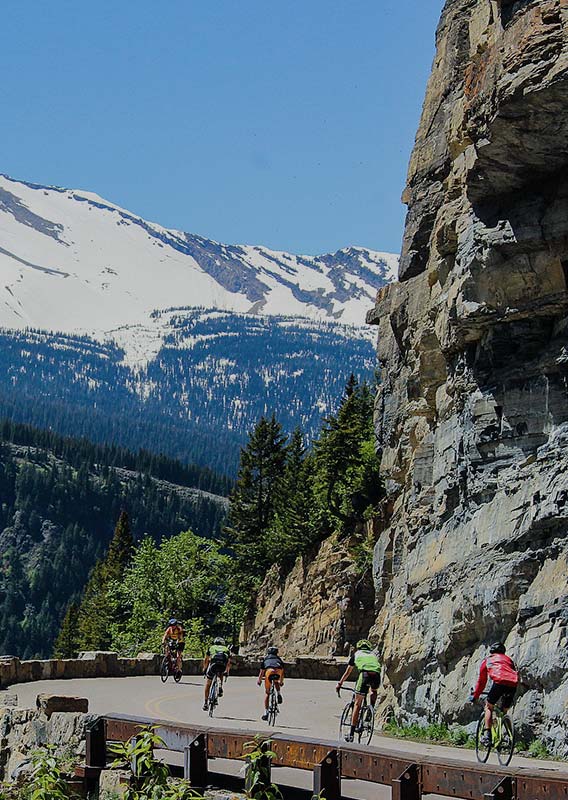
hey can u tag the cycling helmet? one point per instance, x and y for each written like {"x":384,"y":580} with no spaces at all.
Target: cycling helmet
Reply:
{"x":364,"y":644}
{"x":219,"y":640}
{"x":497,"y":647}
{"x":173,"y":621}
{"x":272,"y":651}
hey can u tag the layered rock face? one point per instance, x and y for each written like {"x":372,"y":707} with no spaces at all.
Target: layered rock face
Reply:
{"x":472,"y":414}
{"x":324,"y":602}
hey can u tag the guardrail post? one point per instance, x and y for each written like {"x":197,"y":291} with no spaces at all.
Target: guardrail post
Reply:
{"x":327,"y":777}
{"x":505,"y":790}
{"x":195,"y":762}
{"x":95,"y":752}
{"x":408,"y":785}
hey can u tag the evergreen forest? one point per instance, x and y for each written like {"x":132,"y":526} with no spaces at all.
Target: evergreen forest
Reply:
{"x":288,"y":497}
{"x":214,"y":376}
{"x":59,"y":502}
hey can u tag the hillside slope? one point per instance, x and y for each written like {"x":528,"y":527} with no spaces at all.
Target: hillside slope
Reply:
{"x":60,"y":501}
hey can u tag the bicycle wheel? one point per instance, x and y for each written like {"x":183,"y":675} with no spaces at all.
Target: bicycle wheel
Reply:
{"x":272,"y":706}
{"x":345,"y":721}
{"x":481,"y":750}
{"x":177,"y":675}
{"x":164,"y":669}
{"x":213,"y":696}
{"x":366,"y":724}
{"x":506,"y":746}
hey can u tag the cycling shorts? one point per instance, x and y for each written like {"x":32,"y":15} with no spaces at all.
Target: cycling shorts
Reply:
{"x":175,"y":645}
{"x":502,"y":692}
{"x":271,"y":675}
{"x":216,"y":668}
{"x":366,"y":681}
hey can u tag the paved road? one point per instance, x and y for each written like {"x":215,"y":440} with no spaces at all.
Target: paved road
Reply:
{"x":310,"y":708}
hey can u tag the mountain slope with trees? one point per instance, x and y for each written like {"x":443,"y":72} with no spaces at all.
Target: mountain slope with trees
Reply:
{"x":287,"y":500}
{"x":60,"y":501}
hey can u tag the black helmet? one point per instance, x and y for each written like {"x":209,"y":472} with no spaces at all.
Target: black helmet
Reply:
{"x":497,"y":647}
{"x":272,"y":651}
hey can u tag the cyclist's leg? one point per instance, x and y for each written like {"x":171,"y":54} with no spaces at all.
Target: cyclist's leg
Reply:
{"x":208,"y":681}
{"x":361,"y":689}
{"x":488,"y":715}
{"x":508,"y":699}
{"x":267,"y":686}
{"x":374,"y":682}
{"x":494,"y":695}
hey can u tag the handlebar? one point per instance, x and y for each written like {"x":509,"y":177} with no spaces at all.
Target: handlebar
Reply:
{"x":340,"y":689}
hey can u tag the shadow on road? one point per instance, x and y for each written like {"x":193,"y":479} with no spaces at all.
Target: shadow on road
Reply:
{"x":191,"y":683}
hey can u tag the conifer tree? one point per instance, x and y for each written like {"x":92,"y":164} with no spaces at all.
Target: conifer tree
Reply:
{"x":291,"y":532}
{"x":120,"y":549}
{"x":346,"y":468}
{"x":67,"y":642}
{"x":96,"y":613}
{"x":254,"y":498}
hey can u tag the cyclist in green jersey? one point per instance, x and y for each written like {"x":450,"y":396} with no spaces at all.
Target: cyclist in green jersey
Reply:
{"x":369,"y":678}
{"x":217,"y":662}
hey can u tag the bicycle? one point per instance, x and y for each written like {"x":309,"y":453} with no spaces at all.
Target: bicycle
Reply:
{"x":169,"y":666}
{"x":366,"y":723}
{"x":502,"y":736}
{"x":273,"y":708}
{"x":213,"y":699}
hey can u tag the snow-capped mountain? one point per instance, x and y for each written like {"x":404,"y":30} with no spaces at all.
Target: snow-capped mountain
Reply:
{"x":122,"y":331}
{"x":71,"y":261}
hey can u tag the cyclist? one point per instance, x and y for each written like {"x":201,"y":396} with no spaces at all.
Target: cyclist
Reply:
{"x":271,"y":671}
{"x":174,"y":640}
{"x":499,"y":668}
{"x":366,"y":661}
{"x":217,"y":662}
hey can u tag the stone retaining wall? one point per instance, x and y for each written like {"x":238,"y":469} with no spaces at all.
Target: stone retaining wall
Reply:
{"x":110,"y":665}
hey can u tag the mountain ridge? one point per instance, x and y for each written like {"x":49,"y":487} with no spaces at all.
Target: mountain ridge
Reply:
{"x":111,"y":269}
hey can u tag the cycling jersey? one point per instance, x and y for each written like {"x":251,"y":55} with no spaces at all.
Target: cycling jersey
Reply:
{"x":272,"y":662}
{"x":218,"y":653}
{"x":365,"y":661}
{"x":500,"y":669}
{"x":175,"y":632}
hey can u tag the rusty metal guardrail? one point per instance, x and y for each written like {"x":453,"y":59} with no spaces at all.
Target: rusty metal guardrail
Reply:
{"x":331,"y":761}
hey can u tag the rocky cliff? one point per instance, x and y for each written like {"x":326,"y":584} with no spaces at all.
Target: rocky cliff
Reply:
{"x":472,"y":414}
{"x":324,"y":602}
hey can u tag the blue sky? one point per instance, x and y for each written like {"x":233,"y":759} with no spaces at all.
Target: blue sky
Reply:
{"x":287,"y":124}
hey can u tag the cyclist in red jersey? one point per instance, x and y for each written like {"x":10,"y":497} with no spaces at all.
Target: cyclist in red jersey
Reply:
{"x":500,"y":669}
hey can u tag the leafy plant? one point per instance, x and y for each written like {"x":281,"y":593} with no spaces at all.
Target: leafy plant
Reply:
{"x":151,"y":777}
{"x":258,"y":784}
{"x":537,"y":749}
{"x":46,"y":779}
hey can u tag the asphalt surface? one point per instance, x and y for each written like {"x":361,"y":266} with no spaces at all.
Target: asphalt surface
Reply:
{"x":310,"y":708}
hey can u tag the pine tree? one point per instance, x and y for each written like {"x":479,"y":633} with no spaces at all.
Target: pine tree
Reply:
{"x":120,"y":549}
{"x":67,"y":642}
{"x":346,"y":468}
{"x":96,"y":612}
{"x":254,"y":498}
{"x":291,"y":532}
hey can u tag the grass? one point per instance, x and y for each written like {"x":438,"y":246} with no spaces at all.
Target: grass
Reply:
{"x":440,"y":733}
{"x":434,"y":732}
